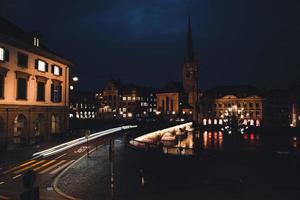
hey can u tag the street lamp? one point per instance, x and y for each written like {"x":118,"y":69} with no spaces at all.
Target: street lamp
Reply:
{"x":75,"y":79}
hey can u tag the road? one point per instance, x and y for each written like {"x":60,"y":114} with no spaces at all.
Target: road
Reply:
{"x":46,"y":168}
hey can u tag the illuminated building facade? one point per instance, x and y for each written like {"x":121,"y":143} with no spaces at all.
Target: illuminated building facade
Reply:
{"x":244,"y":102}
{"x":33,"y":88}
{"x":180,"y":99}
{"x":172,"y":102}
{"x":83,"y":106}
{"x":125,"y":101}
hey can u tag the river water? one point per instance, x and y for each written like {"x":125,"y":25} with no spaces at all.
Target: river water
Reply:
{"x":249,"y":166}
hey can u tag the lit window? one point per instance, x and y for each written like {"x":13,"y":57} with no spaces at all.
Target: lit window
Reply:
{"x":1,"y":54}
{"x":56,"y":70}
{"x":124,"y":98}
{"x":36,"y":41}
{"x":4,"y":54}
{"x":41,"y":65}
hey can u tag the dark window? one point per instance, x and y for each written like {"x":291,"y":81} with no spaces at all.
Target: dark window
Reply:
{"x":1,"y":86}
{"x":251,"y":105}
{"x":56,"y":93}
{"x":187,"y":74}
{"x":22,"y":60}
{"x":22,"y":88}
{"x":40,"y":91}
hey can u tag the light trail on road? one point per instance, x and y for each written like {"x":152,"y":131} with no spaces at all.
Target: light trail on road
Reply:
{"x":72,"y":143}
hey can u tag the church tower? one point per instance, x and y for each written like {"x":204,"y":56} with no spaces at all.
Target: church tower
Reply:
{"x":189,"y":69}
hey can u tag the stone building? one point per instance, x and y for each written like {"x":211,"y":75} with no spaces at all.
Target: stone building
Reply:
{"x":33,"y":88}
{"x":126,"y":101}
{"x":172,"y":102}
{"x":244,"y":102}
{"x":181,"y":100}
{"x":83,"y":106}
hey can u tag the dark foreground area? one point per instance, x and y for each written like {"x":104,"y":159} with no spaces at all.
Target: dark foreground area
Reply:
{"x":250,"y":167}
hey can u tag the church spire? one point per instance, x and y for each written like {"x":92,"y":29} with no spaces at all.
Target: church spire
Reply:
{"x":189,"y":57}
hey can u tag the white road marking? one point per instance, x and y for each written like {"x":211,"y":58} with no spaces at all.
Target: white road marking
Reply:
{"x":60,"y":156}
{"x":17,"y":176}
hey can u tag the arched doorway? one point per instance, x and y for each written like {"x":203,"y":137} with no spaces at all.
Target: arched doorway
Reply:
{"x":55,"y":121}
{"x":38,"y":128}
{"x":20,"y":129}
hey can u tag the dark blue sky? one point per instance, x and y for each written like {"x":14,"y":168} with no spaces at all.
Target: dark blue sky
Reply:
{"x":143,"y":41}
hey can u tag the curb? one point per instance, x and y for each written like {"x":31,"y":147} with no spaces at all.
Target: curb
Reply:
{"x":54,"y":184}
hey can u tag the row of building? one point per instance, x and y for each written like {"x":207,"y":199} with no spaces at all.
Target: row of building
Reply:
{"x":252,"y":106}
{"x":38,"y":96}
{"x":184,"y":101}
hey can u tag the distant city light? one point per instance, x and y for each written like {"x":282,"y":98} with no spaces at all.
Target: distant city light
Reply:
{"x":75,"y":79}
{"x":71,"y":87}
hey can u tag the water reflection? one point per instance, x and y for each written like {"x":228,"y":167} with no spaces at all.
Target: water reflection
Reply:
{"x":212,"y":141}
{"x":295,"y":143}
{"x":186,"y":141}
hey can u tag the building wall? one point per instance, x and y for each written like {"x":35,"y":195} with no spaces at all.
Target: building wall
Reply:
{"x":10,"y":88}
{"x":52,"y":121}
{"x":33,"y":112}
{"x":118,"y":102}
{"x":162,"y":102}
{"x":247,"y":109}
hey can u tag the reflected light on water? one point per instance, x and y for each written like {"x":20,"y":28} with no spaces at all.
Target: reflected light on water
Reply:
{"x":213,"y":141}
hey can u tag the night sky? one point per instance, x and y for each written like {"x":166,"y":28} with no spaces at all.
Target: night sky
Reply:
{"x":143,"y":41}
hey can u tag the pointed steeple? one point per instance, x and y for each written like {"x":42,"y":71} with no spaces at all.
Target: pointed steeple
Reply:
{"x":190,"y":56}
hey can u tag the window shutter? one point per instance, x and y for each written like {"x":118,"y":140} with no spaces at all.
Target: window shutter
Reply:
{"x":36,"y":63}
{"x":46,"y":68}
{"x":52,"y":69}
{"x":6,"y":55}
{"x":60,"y":71}
{"x":52,"y":92}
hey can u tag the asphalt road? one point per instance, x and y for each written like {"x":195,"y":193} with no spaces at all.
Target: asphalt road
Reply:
{"x":46,"y":169}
